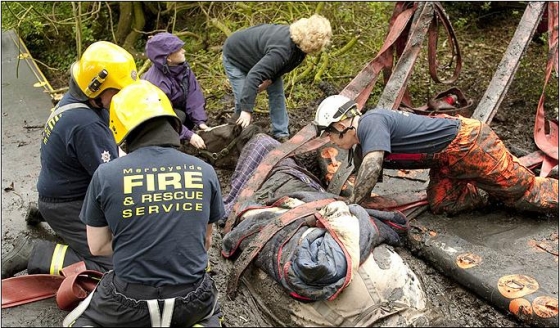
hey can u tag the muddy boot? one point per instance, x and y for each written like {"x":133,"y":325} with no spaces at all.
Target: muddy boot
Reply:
{"x":16,"y":260}
{"x":33,"y":217}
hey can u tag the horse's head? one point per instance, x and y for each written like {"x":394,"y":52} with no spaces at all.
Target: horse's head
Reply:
{"x":223,"y":144}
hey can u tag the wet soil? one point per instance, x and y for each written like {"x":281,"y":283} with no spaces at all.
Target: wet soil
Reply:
{"x":453,"y":305}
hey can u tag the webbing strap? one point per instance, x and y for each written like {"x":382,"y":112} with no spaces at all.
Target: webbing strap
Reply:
{"x":71,"y":318}
{"x":161,"y":320}
{"x":73,"y":285}
{"x":267,"y":232}
{"x":439,"y":15}
{"x":548,"y":143}
{"x":59,"y":110}
{"x":400,"y":23}
{"x":263,"y":170}
{"x":361,"y":86}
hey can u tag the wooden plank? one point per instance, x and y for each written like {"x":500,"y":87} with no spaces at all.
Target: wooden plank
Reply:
{"x":395,"y":87}
{"x":491,"y":100}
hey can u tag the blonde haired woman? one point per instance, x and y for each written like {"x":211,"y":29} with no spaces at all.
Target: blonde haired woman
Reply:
{"x":257,"y":57}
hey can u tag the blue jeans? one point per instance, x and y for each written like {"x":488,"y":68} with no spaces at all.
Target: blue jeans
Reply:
{"x":276,"y":98}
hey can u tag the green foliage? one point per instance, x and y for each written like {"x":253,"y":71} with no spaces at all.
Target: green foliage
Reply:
{"x":48,"y":29}
{"x":359,"y":29}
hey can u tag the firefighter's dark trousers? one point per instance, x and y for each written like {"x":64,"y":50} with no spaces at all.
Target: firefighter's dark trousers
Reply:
{"x":49,"y":257}
{"x":115,"y":303}
{"x":478,"y":159}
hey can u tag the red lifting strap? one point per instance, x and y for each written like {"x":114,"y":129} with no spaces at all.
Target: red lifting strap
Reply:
{"x":267,"y":232}
{"x":548,"y":143}
{"x":75,"y":283}
{"x":396,"y":41}
{"x":269,"y":161}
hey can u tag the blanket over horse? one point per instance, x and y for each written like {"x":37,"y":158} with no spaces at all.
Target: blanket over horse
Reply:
{"x":314,"y":256}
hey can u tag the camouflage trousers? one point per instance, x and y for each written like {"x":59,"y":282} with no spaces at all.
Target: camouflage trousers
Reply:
{"x":478,"y":160}
{"x":383,"y":292}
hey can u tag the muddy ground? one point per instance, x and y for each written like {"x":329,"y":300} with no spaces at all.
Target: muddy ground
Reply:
{"x":453,"y":305}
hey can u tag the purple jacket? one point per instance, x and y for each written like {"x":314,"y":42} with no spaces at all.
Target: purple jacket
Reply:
{"x":178,"y":82}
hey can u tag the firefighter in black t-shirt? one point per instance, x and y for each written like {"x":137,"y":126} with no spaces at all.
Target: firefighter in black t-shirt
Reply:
{"x":153,"y":211}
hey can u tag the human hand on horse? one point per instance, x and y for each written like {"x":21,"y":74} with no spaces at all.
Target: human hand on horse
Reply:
{"x":196,"y":141}
{"x":244,"y":119}
{"x":203,"y":126}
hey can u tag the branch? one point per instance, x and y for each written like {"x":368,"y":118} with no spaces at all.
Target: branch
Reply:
{"x":322,"y":67}
{"x":77,"y":10}
{"x":145,"y":66}
{"x":111,"y":21}
{"x":221,"y":26}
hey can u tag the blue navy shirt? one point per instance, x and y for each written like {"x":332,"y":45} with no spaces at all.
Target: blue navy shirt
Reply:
{"x":73,"y":145}
{"x":157,"y":202}
{"x":396,"y":131}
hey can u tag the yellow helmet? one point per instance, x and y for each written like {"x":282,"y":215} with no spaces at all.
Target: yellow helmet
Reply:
{"x":134,"y":105}
{"x":103,"y":65}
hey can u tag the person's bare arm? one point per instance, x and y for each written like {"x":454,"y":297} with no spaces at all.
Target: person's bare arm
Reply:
{"x":208,"y":241}
{"x":367,"y":176}
{"x":100,"y":241}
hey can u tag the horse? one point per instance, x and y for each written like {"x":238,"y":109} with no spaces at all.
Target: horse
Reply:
{"x":223,"y":144}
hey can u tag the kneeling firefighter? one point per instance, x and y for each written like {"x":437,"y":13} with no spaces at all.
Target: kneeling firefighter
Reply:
{"x":75,"y":141}
{"x":153,"y":211}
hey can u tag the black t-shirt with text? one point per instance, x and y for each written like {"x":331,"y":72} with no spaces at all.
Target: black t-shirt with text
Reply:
{"x":158,"y":202}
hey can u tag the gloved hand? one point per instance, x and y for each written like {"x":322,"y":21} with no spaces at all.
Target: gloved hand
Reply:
{"x":244,"y":119}
{"x":196,"y":141}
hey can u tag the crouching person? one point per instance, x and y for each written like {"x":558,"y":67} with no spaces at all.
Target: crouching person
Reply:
{"x":153,"y":211}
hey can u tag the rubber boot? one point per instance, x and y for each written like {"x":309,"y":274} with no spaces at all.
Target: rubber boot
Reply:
{"x":16,"y":260}
{"x":33,"y":217}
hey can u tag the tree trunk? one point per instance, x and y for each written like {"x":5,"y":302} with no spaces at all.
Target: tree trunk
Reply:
{"x":138,"y":21}
{"x":125,"y":19}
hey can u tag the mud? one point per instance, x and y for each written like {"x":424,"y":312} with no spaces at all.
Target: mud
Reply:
{"x":453,"y":305}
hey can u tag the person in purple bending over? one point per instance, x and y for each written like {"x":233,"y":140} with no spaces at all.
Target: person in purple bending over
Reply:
{"x":173,"y":75}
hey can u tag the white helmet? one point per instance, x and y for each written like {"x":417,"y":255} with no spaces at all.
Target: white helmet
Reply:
{"x":334,"y":109}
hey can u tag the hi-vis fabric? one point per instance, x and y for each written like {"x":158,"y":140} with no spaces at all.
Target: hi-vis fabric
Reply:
{"x":158,"y":203}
